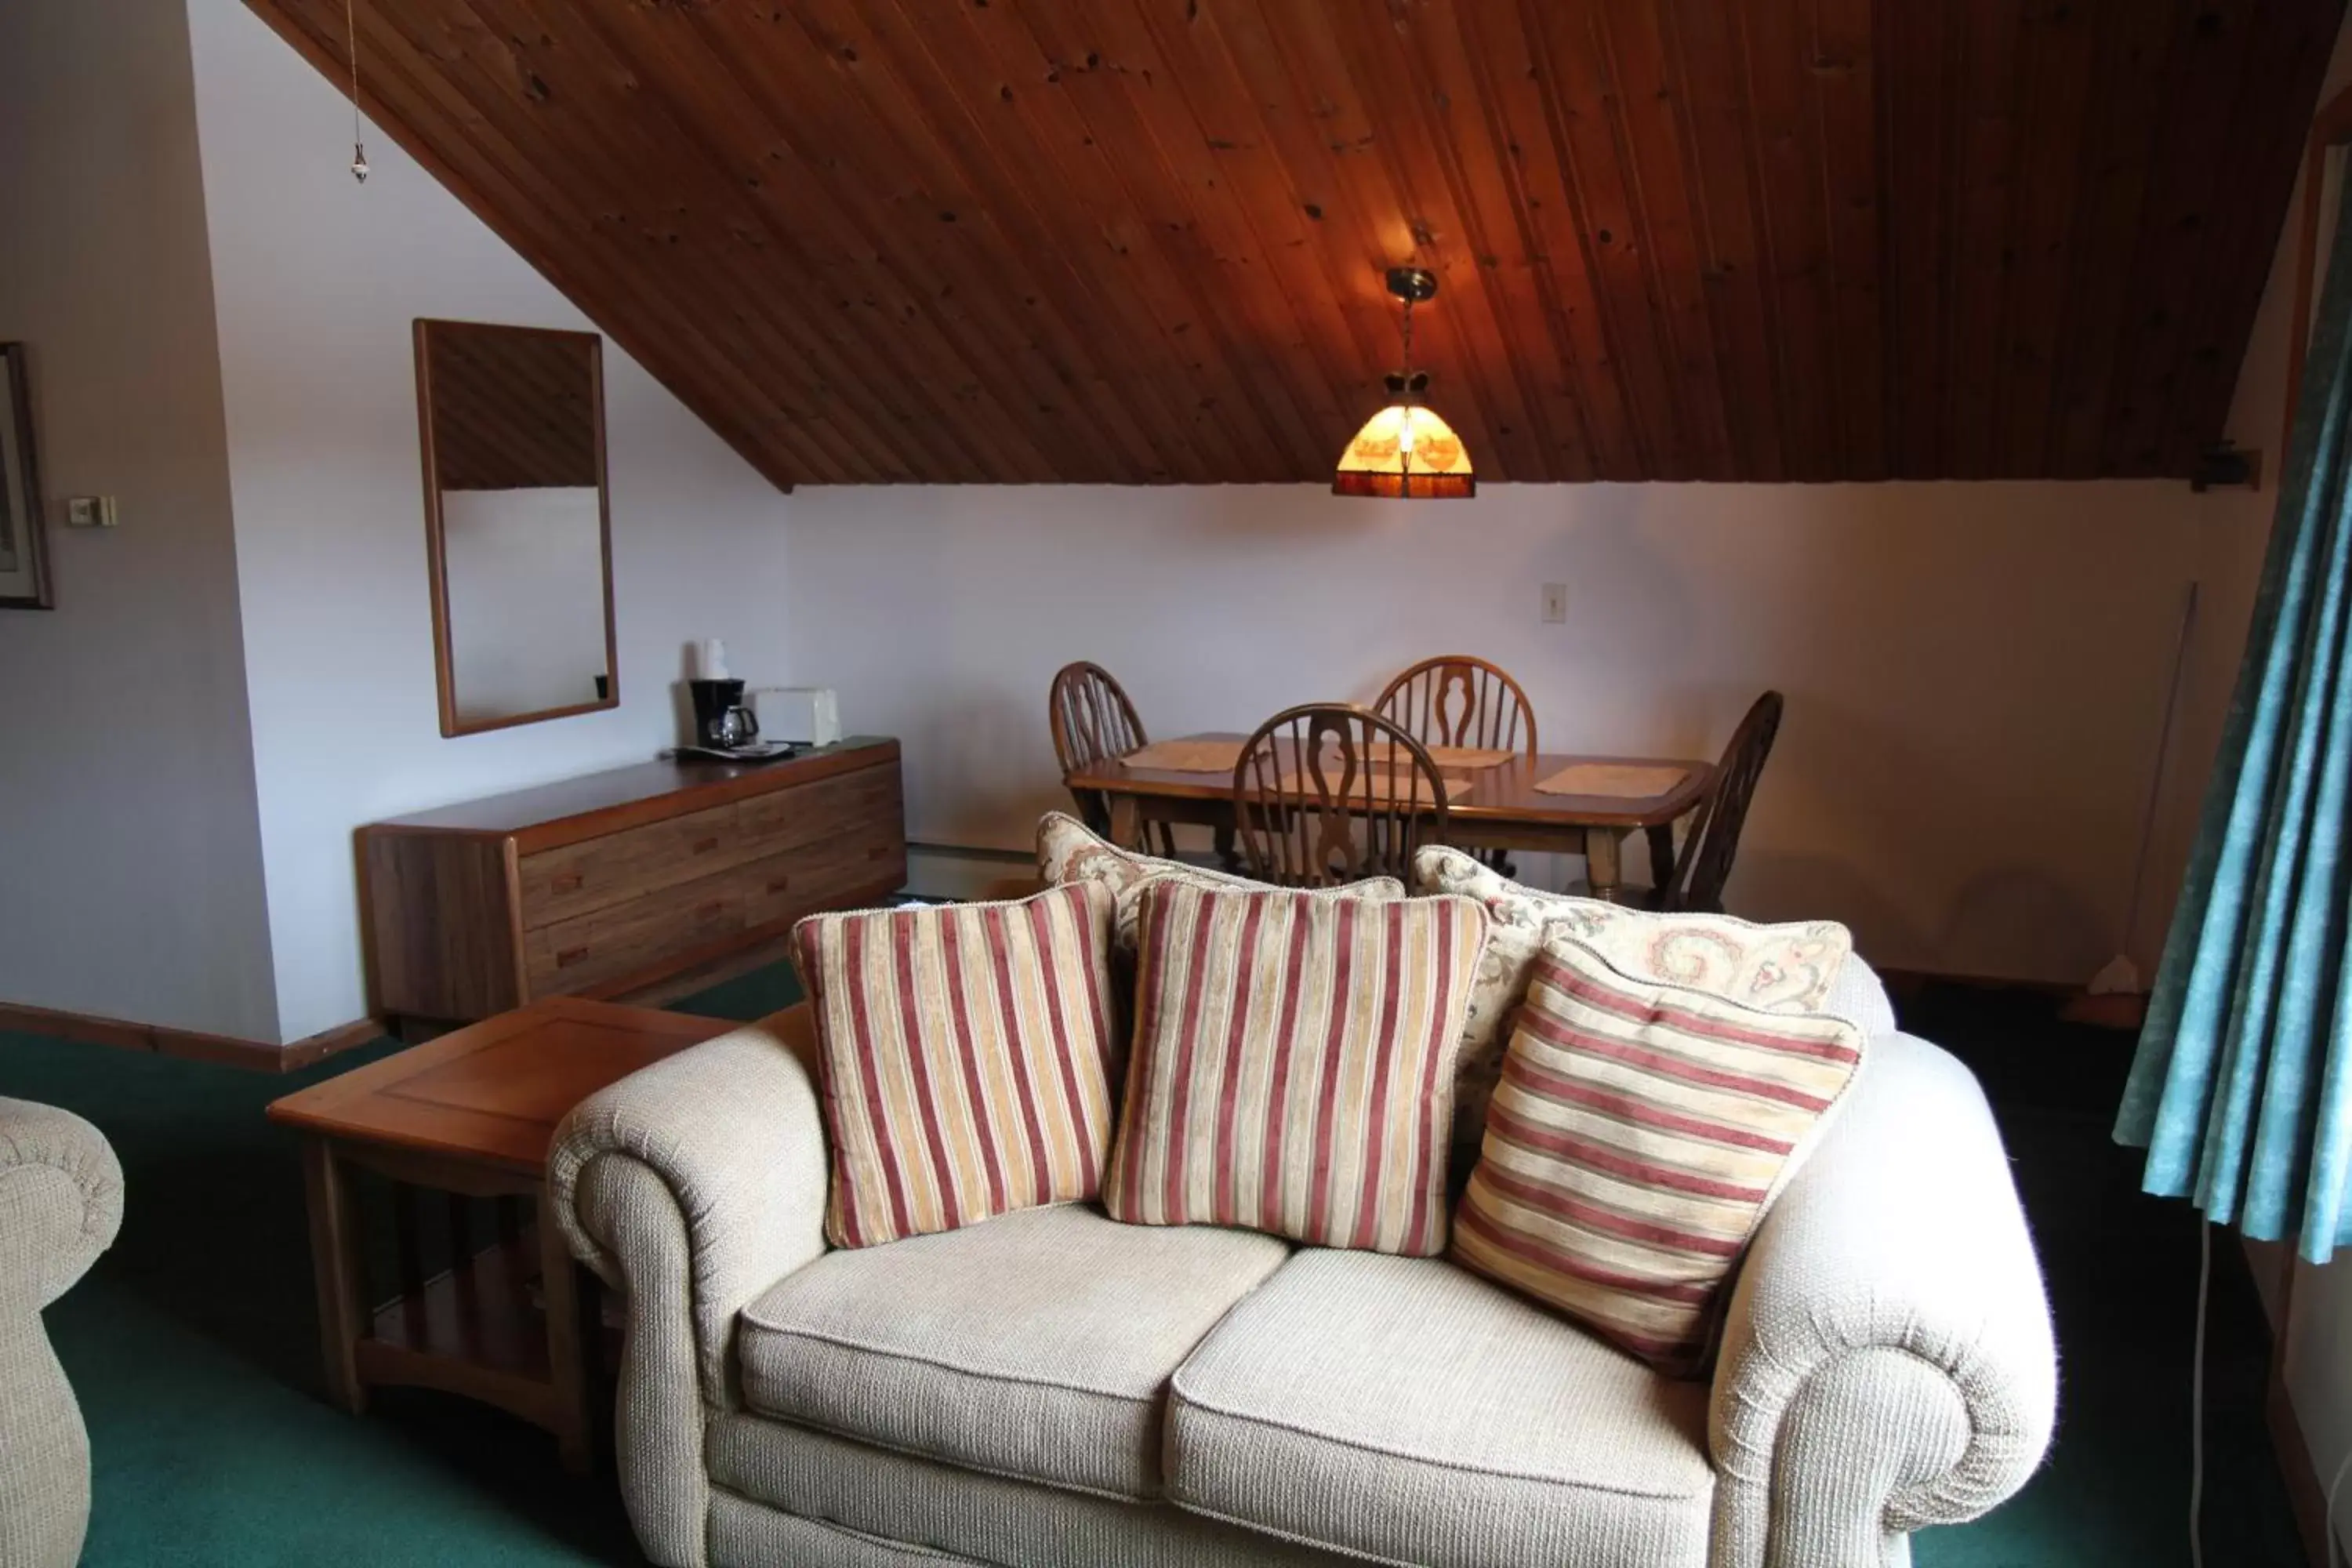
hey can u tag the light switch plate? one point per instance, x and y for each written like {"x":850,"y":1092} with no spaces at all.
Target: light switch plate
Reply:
{"x":90,"y":511}
{"x":1555,"y":602}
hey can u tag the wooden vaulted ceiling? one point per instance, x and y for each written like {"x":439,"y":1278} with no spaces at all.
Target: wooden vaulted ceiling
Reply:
{"x":1141,"y":240}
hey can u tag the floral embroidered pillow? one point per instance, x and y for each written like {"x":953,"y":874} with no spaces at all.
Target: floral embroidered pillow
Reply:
{"x":1787,"y":968}
{"x":1069,"y":851}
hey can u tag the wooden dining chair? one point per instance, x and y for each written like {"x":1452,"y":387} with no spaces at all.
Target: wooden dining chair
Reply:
{"x":1331,"y":793}
{"x":1455,"y":699}
{"x":1704,"y":866}
{"x":1094,"y":721}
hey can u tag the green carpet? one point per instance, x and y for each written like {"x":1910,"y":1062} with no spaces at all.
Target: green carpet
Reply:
{"x":193,"y":1346}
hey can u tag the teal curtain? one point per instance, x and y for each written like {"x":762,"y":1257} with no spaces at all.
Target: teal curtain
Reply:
{"x":2241,"y":1091}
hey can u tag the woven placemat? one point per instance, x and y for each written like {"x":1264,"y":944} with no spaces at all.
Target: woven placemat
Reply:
{"x":1622,"y":780}
{"x":1474,"y":758}
{"x":1187,"y":756}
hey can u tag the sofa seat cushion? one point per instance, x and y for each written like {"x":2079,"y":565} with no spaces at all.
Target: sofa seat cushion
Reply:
{"x":1407,"y":1411}
{"x":920,"y":1509}
{"x":1039,"y":1345}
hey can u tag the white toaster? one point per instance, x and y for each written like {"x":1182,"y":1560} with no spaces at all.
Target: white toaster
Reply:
{"x":804,"y":715}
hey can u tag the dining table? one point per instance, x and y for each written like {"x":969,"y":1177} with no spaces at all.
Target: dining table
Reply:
{"x":1496,"y":805}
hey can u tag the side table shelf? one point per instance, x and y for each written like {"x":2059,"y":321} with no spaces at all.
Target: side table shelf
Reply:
{"x":514,"y":1321}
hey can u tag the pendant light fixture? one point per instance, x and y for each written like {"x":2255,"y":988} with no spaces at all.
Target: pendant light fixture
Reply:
{"x":1405,"y":451}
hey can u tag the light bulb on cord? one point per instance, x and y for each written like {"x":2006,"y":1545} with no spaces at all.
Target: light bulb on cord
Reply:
{"x":359,"y":139}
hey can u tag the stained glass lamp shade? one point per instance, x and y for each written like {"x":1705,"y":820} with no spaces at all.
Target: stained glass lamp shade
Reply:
{"x":1405,"y":452}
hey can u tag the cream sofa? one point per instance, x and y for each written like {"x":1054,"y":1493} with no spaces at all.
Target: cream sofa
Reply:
{"x":60,"y":1206}
{"x":1053,"y":1388}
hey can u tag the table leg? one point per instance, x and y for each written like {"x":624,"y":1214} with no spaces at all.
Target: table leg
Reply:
{"x":335,"y":1262}
{"x":1662,"y":856}
{"x":1125,"y":822}
{"x":567,"y":1342}
{"x":1601,"y":847}
{"x":1228,"y":856}
{"x":408,"y":1251}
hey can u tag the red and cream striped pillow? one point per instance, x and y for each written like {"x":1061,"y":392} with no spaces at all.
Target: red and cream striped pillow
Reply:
{"x":1293,"y":1068}
{"x":1637,"y":1136}
{"x":965,"y":1053}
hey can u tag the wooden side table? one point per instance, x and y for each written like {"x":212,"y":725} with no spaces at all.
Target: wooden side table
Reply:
{"x":470,"y":1115}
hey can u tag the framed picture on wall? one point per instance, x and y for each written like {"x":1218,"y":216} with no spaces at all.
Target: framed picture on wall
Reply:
{"x":23,"y":569}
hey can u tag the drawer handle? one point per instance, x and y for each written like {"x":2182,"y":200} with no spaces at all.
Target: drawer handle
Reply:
{"x":878,"y":852}
{"x":705,"y":845}
{"x":711,"y":910}
{"x":569,"y":956}
{"x":567,"y":883}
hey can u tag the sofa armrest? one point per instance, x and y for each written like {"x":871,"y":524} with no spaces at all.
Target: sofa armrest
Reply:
{"x":1887,"y":1359}
{"x":692,"y":1186}
{"x":61,"y":1199}
{"x":729,"y":1133}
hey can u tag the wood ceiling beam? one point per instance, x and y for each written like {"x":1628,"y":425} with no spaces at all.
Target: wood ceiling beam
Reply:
{"x":1019,"y":144}
{"x":1141,"y":241}
{"x":1539,"y":422}
{"x":667,"y":194}
{"x":1708,"y":77}
{"x":2286,"y":62}
{"x":417,"y":100}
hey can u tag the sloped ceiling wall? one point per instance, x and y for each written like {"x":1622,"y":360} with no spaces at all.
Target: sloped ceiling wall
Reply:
{"x":1141,"y":240}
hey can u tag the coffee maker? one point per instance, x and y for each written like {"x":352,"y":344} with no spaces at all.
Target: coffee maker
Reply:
{"x":722,"y":722}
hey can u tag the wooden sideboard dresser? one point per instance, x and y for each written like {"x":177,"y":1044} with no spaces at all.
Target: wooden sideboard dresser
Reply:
{"x":602,"y":885}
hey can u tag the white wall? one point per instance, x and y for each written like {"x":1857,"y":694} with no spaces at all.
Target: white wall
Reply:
{"x":1974,"y":673}
{"x":130,"y":855}
{"x":317,"y":280}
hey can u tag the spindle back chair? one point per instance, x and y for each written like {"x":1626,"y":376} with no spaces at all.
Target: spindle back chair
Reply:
{"x":1331,"y":793}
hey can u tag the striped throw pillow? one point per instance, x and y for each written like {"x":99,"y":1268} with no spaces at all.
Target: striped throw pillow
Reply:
{"x":964,"y":1059}
{"x":1292,"y":1068}
{"x":1790,"y":968}
{"x":1638,"y":1134}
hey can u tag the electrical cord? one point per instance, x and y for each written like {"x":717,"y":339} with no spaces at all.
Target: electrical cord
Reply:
{"x":2327,"y":1519}
{"x":2335,"y":1552}
{"x":2197,"y":1398}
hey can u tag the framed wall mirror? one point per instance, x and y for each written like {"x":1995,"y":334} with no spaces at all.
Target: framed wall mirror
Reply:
{"x":24,"y":573}
{"x":516,"y":525}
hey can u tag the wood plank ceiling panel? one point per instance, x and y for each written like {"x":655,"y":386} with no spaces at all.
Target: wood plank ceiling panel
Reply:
{"x":1141,"y":241}
{"x":1704,"y":42}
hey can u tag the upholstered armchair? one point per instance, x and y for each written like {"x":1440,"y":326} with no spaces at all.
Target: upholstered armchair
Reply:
{"x":61,"y":1204}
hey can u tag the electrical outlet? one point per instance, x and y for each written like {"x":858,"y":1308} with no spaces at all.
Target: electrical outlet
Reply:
{"x":90,"y":511}
{"x":1555,"y":602}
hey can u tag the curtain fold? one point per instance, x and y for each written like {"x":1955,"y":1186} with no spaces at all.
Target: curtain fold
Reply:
{"x":2242,"y":1089}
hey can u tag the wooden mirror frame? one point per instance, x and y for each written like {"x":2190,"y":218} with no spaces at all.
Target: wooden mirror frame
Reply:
{"x":26,"y":496}
{"x":436,"y":552}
